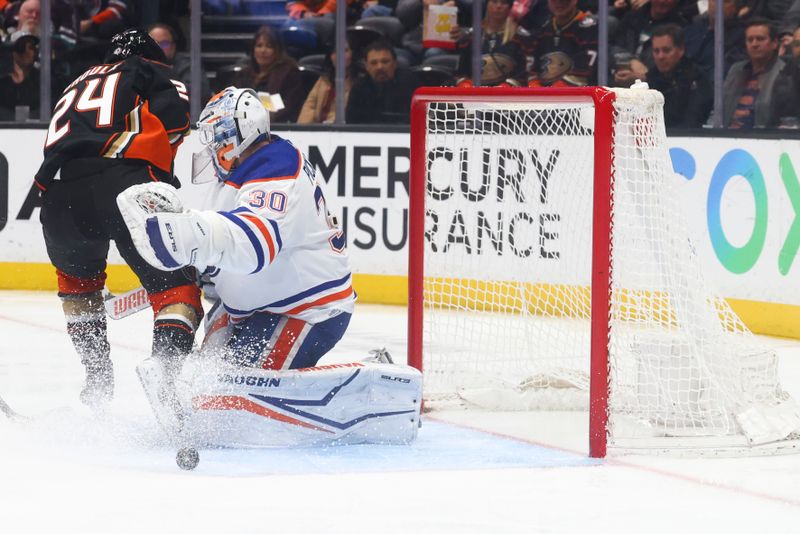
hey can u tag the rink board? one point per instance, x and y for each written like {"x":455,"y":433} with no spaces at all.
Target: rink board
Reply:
{"x":735,"y":183}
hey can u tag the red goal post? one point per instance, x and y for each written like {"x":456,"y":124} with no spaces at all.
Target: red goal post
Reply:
{"x":603,"y":117}
{"x":622,"y":315}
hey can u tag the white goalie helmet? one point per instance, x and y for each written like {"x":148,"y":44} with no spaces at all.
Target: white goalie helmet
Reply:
{"x":231,"y":122}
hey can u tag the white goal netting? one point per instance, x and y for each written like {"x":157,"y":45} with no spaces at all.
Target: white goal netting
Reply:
{"x":507,"y":279}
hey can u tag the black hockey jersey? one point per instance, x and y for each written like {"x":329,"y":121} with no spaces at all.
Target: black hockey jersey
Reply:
{"x":567,"y":55}
{"x":503,"y":62}
{"x":129,"y":109}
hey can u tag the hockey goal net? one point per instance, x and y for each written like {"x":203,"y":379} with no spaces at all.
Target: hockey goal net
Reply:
{"x":550,"y":268}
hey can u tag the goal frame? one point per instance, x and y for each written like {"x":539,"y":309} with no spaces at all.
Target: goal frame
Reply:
{"x":602,"y":201}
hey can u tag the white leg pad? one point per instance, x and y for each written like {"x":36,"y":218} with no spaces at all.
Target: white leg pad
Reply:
{"x":151,"y":376}
{"x":345,"y":403}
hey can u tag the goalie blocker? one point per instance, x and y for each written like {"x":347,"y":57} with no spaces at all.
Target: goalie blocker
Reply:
{"x":358,"y":402}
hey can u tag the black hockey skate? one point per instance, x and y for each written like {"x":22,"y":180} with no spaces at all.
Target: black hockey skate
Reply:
{"x":380,"y":356}
{"x":98,"y":390}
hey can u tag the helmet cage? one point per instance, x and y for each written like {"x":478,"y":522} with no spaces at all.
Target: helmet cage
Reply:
{"x":221,"y":131}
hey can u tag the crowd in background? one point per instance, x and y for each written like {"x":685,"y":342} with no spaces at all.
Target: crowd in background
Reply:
{"x":534,"y":43}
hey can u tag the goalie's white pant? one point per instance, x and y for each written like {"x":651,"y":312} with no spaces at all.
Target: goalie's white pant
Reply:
{"x":359,"y":402}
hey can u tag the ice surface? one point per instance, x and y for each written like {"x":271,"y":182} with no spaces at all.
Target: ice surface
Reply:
{"x":69,"y":471}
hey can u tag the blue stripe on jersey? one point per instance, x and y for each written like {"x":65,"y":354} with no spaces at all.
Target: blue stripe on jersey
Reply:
{"x":250,"y":235}
{"x":278,"y":158}
{"x":277,"y":234}
{"x":294,"y":298}
{"x":157,"y":242}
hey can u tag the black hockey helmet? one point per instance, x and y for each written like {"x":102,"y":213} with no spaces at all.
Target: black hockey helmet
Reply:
{"x":134,"y":42}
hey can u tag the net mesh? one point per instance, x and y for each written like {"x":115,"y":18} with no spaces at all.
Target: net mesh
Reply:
{"x":508,"y":252}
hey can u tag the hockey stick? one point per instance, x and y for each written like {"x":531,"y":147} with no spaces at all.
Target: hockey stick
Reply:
{"x":120,"y":306}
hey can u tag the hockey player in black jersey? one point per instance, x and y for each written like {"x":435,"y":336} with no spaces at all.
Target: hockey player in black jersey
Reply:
{"x":564,"y":48}
{"x":118,"y":124}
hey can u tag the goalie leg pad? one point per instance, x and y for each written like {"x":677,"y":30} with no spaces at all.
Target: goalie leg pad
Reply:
{"x":161,"y":395}
{"x":336,"y":404}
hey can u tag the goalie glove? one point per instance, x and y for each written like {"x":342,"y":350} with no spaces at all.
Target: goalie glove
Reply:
{"x":165,"y":235}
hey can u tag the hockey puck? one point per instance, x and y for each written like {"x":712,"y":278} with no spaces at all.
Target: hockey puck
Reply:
{"x":187,"y":458}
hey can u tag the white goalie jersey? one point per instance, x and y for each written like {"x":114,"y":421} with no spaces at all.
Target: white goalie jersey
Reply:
{"x":274,"y":247}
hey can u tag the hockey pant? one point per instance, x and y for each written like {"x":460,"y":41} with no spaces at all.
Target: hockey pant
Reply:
{"x":270,"y":341}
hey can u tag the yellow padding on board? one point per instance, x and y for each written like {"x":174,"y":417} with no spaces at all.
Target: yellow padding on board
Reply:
{"x":761,"y":317}
{"x":42,"y":277}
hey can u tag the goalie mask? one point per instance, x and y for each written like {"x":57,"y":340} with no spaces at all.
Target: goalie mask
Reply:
{"x":233,"y":120}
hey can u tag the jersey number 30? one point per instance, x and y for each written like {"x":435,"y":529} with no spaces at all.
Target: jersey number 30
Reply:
{"x":338,"y":241}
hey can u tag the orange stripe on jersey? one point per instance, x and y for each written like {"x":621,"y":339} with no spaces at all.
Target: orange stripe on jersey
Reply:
{"x":283,"y":346}
{"x":232,"y":402}
{"x":152,"y":143}
{"x":263,"y":229}
{"x":153,"y":176}
{"x":319,"y":302}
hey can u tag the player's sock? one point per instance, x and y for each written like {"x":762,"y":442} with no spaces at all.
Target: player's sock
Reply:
{"x":91,"y":342}
{"x":172,"y":341}
{"x":173,"y":338}
{"x":86,"y":326}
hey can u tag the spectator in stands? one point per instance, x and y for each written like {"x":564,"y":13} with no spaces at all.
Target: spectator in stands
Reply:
{"x":757,"y":92}
{"x":530,"y":14}
{"x":785,"y":40}
{"x":413,"y":13}
{"x":619,"y":8}
{"x":23,"y":17}
{"x":688,"y":95}
{"x":796,"y":45}
{"x":564,"y":48}
{"x":775,"y":10}
{"x":384,"y":95}
{"x":633,"y":34}
{"x":793,"y":15}
{"x":271,"y":70}
{"x":503,"y":60}
{"x":320,"y":104}
{"x":302,"y":9}
{"x":378,"y":8}
{"x":166,"y":38}
{"x":20,"y":87}
{"x":700,"y":38}
{"x":100,"y":19}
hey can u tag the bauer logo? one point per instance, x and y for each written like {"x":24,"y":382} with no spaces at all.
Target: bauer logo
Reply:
{"x":257,"y":381}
